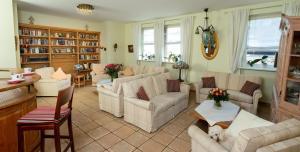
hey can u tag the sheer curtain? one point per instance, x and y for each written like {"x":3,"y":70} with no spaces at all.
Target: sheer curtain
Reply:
{"x":186,"y":26}
{"x":137,"y":41}
{"x":291,"y":7}
{"x":159,"y":41}
{"x":237,"y":35}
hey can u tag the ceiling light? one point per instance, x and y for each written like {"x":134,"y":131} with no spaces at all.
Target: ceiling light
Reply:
{"x":85,"y":9}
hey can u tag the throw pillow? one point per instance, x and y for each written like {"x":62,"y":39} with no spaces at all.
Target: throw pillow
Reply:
{"x":209,"y":82}
{"x":128,"y":71}
{"x":59,"y":75}
{"x":141,"y":94}
{"x":173,"y":85}
{"x":249,"y":88}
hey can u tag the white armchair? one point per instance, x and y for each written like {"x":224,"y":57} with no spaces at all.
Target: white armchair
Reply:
{"x":98,"y":73}
{"x":48,"y":86}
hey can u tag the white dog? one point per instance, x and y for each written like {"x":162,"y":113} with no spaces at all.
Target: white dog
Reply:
{"x":216,"y":133}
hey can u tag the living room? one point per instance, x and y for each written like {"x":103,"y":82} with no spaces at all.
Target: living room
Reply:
{"x":143,"y":77}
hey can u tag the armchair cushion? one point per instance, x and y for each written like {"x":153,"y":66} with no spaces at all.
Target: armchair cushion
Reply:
{"x":249,"y":88}
{"x":59,"y":74}
{"x":239,"y":96}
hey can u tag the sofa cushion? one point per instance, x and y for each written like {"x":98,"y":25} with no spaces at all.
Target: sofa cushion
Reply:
{"x":45,"y":72}
{"x":239,"y":96}
{"x":119,"y":81}
{"x":243,"y":121}
{"x":236,"y":81}
{"x":249,"y":88}
{"x":173,"y":85}
{"x":130,"y":88}
{"x":59,"y":74}
{"x":221,"y":79}
{"x":208,"y":82}
{"x":250,"y":140}
{"x":141,"y":94}
{"x":160,"y":83}
{"x":204,"y":90}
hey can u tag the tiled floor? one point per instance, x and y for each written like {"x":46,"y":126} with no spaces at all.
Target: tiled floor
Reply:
{"x":97,"y":131}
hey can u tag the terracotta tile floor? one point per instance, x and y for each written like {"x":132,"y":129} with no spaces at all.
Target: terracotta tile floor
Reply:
{"x":97,"y":131}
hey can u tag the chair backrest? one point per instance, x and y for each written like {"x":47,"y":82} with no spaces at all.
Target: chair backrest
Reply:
{"x":64,"y":96}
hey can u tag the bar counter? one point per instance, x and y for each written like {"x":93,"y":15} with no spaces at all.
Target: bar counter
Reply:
{"x":15,"y":101}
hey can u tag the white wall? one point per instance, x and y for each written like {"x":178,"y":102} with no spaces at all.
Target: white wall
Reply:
{"x":221,"y":63}
{"x":7,"y":40}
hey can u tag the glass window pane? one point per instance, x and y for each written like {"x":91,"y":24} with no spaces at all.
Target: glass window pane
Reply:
{"x":148,"y":50}
{"x":173,"y":34}
{"x":263,"y":39}
{"x":148,"y":35}
{"x":172,"y":49}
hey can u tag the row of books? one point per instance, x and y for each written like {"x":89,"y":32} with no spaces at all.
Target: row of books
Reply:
{"x":89,"y":57}
{"x":31,"y":32}
{"x":35,"y":50}
{"x":63,"y":50}
{"x":63,"y":42}
{"x":88,"y":36}
{"x":89,"y":43}
{"x":89,"y":50}
{"x":33,"y":41}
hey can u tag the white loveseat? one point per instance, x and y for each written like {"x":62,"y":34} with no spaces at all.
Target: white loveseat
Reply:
{"x":233,"y":84}
{"x":48,"y":86}
{"x":249,"y":133}
{"x":162,"y":107}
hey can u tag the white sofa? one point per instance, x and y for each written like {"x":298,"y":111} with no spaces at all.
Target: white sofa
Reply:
{"x":48,"y":86}
{"x":97,"y":73}
{"x":162,"y":107}
{"x":250,"y":134}
{"x":233,"y":84}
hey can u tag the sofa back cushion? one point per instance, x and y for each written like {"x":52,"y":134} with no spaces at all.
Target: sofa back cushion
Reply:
{"x":236,"y":81}
{"x":138,"y":69}
{"x":131,"y":88}
{"x":118,"y":82}
{"x":45,"y":72}
{"x":221,"y":79}
{"x":98,"y":68}
{"x":160,"y":83}
{"x":250,"y":140}
{"x":290,"y":145}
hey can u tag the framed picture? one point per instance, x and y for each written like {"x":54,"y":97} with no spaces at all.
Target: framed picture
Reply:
{"x":130,"y":48}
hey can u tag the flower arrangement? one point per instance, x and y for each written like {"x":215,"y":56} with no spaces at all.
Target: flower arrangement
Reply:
{"x":112,"y":70}
{"x":218,"y":95}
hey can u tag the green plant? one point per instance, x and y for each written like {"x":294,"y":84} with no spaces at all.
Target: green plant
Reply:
{"x":174,"y":58}
{"x":262,"y":59}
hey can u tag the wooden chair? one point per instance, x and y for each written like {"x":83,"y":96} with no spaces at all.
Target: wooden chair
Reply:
{"x":49,"y":118}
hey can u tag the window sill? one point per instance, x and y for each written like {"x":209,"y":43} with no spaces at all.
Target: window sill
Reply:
{"x":165,"y":62}
{"x":259,"y":68}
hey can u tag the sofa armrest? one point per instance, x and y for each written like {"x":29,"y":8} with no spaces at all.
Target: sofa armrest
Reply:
{"x":103,"y":90}
{"x":285,"y":145}
{"x":198,"y":86}
{"x":201,"y":138}
{"x":140,"y":103}
{"x":257,"y":94}
{"x":184,"y":88}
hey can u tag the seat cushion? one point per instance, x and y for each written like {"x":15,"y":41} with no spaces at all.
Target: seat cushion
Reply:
{"x":165,"y":101}
{"x":239,"y":96}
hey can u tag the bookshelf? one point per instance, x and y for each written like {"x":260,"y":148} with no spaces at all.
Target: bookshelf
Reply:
{"x":42,"y":46}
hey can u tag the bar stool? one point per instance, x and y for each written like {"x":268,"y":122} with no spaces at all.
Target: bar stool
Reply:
{"x":49,"y":118}
{"x":79,"y":80}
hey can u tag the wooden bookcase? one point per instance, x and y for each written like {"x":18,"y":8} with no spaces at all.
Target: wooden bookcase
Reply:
{"x":288,"y":71}
{"x":42,"y":46}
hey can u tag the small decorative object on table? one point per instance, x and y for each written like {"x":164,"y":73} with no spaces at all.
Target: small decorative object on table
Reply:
{"x":112,"y":70}
{"x":180,"y":65}
{"x":218,"y":95}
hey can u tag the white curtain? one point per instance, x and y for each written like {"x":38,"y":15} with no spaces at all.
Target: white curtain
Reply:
{"x":186,"y":27}
{"x":237,"y":35}
{"x":137,"y":41}
{"x":159,"y":41}
{"x":291,"y":7}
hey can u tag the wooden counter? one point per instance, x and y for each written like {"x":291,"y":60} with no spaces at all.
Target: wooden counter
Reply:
{"x":12,"y":110}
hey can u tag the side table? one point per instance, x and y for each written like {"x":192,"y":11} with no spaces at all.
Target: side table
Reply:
{"x":79,"y":80}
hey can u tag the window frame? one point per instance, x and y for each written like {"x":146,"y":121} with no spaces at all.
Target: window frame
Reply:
{"x":165,"y":57}
{"x":258,"y":67}
{"x":141,"y":54}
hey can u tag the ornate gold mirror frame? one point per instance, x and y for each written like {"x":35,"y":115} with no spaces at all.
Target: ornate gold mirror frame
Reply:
{"x":212,"y":52}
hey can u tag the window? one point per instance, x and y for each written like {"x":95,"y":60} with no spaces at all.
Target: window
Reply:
{"x":148,"y":50}
{"x":172,"y":41}
{"x":263,"y":40}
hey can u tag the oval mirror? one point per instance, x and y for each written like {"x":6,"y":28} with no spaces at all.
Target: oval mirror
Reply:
{"x":209,"y":51}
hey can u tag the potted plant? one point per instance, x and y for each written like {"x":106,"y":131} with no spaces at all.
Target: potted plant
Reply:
{"x":112,"y":70}
{"x":218,"y":95}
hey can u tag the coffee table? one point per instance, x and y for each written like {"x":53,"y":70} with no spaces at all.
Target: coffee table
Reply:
{"x":223,"y":116}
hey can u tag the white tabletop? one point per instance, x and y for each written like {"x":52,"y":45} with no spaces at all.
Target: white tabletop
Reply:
{"x":213,"y":115}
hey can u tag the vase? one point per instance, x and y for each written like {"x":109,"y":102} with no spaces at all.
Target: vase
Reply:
{"x":113,"y":76}
{"x":217,"y":104}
